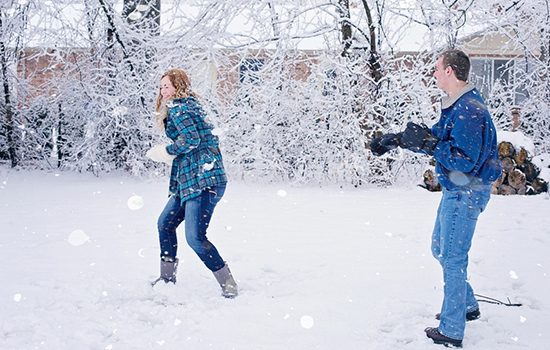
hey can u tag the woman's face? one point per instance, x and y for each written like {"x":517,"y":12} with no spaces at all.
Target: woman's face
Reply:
{"x":166,"y":88}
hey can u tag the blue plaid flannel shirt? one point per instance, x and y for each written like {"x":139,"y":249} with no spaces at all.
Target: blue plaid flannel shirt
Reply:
{"x":198,"y":164}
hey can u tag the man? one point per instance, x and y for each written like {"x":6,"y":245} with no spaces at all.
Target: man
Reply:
{"x":464,"y":145}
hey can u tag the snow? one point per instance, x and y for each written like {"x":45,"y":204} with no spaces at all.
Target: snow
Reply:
{"x":542,"y":161}
{"x":518,"y":139}
{"x":318,"y":268}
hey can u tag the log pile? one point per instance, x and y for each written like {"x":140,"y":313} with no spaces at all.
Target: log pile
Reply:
{"x":430,"y":181}
{"x":519,"y":175}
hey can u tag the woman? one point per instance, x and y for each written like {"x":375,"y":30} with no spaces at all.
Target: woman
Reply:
{"x":197,"y":179}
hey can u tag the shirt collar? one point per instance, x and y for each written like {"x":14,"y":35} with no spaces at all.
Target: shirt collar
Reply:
{"x":447,"y":101}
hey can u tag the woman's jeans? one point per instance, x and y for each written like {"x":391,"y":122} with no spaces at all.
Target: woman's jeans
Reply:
{"x":197,"y":213}
{"x":451,"y":240}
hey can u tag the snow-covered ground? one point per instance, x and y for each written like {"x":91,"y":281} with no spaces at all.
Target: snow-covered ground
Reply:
{"x":319,"y":268}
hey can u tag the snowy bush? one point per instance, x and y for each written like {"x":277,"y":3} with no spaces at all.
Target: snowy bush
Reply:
{"x":281,"y":114}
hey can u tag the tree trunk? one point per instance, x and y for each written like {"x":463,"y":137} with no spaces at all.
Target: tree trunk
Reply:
{"x":374,"y":58}
{"x":9,"y":121}
{"x":347,"y":38}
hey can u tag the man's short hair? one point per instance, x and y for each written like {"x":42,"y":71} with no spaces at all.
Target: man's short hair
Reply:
{"x":459,"y":62}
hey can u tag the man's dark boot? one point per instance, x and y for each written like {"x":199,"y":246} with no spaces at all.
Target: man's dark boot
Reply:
{"x":438,"y":338}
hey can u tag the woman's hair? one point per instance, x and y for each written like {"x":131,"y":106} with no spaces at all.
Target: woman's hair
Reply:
{"x":181,"y":83}
{"x":459,"y":62}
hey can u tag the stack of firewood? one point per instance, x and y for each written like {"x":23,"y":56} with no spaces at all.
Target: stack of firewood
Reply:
{"x":430,"y":181}
{"x":520,"y":174}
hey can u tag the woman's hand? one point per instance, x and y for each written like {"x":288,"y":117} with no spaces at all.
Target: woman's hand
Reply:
{"x":160,"y":154}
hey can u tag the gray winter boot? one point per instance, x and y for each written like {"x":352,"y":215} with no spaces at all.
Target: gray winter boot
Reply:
{"x":226,"y":281}
{"x":168,"y":270}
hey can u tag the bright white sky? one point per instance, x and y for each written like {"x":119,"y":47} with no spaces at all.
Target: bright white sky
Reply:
{"x":173,"y":11}
{"x":251,"y":22}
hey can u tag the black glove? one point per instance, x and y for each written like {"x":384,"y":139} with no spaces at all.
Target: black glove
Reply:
{"x":418,"y":137}
{"x":385,"y":143}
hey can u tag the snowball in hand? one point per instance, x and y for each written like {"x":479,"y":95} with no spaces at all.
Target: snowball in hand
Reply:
{"x":459,"y":178}
{"x":135,"y":202}
{"x":306,"y":321}
{"x":78,"y":237}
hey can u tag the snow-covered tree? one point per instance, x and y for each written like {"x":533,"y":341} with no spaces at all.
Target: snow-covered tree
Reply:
{"x":13,"y":19}
{"x":282,"y":113}
{"x":527,"y":88}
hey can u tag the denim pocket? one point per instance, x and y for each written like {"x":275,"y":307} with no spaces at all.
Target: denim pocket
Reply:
{"x":473,"y":213}
{"x":477,"y":202}
{"x":215,"y":194}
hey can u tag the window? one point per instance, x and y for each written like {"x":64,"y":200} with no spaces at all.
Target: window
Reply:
{"x":249,"y":71}
{"x":485,"y":72}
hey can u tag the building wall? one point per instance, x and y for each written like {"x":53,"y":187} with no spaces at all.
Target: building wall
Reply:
{"x":38,"y":67}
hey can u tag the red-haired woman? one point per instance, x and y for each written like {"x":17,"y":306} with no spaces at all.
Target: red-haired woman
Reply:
{"x":197,"y":179}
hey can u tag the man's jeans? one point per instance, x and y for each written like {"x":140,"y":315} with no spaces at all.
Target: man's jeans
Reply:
{"x":197,"y":213}
{"x":451,"y":240}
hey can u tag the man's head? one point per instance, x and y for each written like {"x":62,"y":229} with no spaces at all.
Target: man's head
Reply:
{"x":459,"y":62}
{"x":452,"y":70}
